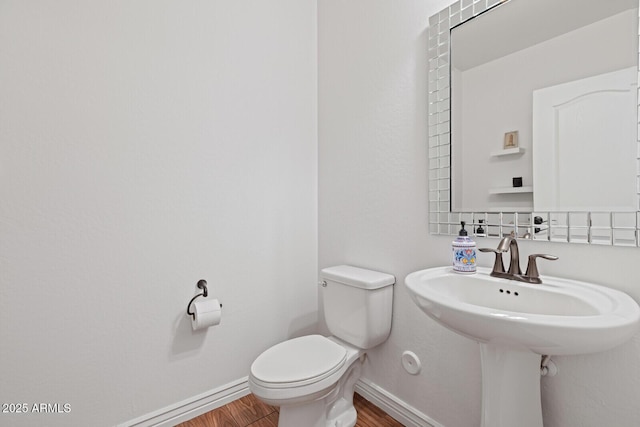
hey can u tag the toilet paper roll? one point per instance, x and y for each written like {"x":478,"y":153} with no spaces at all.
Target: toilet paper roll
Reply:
{"x":207,"y":312}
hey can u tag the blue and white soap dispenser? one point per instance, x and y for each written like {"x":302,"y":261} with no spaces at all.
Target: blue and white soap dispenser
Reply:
{"x":464,"y":252}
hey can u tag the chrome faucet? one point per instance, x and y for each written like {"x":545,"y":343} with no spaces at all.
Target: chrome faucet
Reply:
{"x":509,"y":244}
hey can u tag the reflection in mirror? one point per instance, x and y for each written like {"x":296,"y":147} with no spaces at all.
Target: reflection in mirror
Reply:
{"x":584,"y":92}
{"x":538,"y":134}
{"x":584,"y":137}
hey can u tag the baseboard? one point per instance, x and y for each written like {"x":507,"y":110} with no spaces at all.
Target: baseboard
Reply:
{"x":398,"y":409}
{"x":210,"y":400}
{"x":192,"y":407}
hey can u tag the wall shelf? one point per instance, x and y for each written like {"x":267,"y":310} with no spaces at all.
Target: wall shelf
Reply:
{"x":507,"y":152}
{"x":511,"y":190}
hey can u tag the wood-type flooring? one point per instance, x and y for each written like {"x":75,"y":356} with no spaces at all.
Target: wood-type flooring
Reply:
{"x":250,"y":412}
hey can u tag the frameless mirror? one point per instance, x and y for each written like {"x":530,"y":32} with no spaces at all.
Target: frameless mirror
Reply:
{"x":533,"y":128}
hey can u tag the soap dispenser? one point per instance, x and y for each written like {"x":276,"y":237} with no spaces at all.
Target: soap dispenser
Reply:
{"x":464,"y":252}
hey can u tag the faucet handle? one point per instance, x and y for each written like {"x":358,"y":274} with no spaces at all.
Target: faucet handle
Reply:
{"x":498,"y":266}
{"x":532,"y":267}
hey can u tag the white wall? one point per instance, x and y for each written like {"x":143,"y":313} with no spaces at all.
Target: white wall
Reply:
{"x":373,"y":213}
{"x":143,"y":146}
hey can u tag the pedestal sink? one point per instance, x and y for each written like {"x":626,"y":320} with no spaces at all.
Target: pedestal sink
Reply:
{"x":517,"y":322}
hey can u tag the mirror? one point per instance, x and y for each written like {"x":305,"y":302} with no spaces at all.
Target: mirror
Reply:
{"x":533,"y":129}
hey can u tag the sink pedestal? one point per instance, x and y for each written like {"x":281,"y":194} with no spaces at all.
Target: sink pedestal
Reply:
{"x":510,"y":387}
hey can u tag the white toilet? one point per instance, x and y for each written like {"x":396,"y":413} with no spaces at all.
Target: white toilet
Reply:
{"x":312,"y":377}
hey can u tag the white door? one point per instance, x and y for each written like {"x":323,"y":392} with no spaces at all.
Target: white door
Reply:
{"x":584,"y":144}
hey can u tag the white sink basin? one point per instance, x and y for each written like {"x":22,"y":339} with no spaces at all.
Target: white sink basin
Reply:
{"x":557,"y":317}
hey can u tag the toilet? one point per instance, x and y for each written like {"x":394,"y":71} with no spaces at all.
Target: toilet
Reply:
{"x":312,"y":378}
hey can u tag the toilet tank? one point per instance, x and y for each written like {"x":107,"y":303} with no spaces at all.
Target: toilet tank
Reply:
{"x":357,"y":304}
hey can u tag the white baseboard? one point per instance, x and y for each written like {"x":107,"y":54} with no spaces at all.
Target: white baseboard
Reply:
{"x":396,"y":408}
{"x":210,"y":400}
{"x":192,"y":407}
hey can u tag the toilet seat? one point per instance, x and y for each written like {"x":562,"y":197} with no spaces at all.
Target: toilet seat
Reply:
{"x":298,"y":362}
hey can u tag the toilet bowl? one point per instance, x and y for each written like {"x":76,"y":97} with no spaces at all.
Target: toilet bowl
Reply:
{"x":327,"y":377}
{"x":312,"y":378}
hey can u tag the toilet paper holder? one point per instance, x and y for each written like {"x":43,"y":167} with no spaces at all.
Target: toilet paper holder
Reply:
{"x":202,"y":284}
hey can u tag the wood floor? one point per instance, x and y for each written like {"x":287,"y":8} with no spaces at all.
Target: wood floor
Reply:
{"x":249,"y":411}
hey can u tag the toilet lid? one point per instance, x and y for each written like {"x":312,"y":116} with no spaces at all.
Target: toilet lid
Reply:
{"x":300,"y":360}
